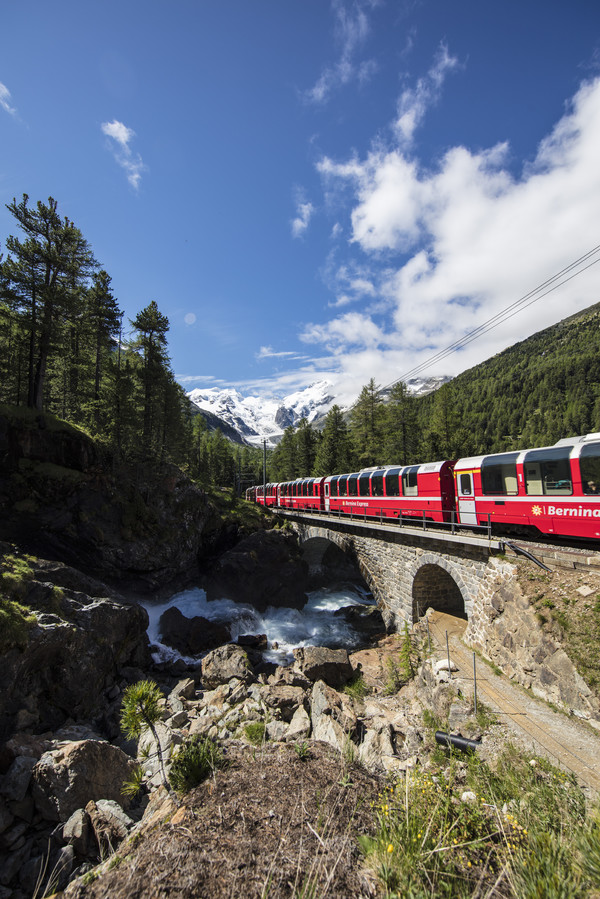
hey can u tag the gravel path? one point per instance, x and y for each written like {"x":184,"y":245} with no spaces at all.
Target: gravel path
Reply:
{"x":568,"y":742}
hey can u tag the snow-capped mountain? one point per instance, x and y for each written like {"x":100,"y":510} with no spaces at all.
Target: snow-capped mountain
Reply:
{"x":421,"y":386}
{"x":252,"y":419}
{"x":258,"y":418}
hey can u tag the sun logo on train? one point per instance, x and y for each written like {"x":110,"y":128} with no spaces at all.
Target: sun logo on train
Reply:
{"x":536,"y":510}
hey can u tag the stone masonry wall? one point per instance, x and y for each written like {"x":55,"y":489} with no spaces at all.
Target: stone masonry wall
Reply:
{"x":503,"y":627}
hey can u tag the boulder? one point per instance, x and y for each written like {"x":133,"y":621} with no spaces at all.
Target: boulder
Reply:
{"x":367,"y":621}
{"x":264,"y":569}
{"x":110,"y":824}
{"x":282,"y":700}
{"x":74,"y":649}
{"x":299,"y":728}
{"x":376,"y":744}
{"x":77,"y":832}
{"x":147,"y":753}
{"x":191,"y":636}
{"x":223,"y":664}
{"x":15,"y":782}
{"x":319,"y":663}
{"x":328,"y":703}
{"x":66,"y":779}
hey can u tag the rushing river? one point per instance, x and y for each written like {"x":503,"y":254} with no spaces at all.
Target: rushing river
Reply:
{"x":314,"y":625}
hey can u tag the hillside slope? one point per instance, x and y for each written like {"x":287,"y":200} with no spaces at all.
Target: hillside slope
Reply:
{"x":532,"y":394}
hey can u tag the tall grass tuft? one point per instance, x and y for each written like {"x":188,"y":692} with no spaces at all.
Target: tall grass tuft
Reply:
{"x":461,"y":828}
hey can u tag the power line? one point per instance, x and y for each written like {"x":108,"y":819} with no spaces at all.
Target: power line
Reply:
{"x":514,"y":308}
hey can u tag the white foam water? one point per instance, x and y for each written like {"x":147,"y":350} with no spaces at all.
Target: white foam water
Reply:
{"x":314,"y":625}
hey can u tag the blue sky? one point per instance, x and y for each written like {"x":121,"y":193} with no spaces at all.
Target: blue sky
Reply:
{"x":314,"y":189}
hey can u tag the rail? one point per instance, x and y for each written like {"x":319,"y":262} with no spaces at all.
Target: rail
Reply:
{"x":421,"y":518}
{"x":448,"y":532}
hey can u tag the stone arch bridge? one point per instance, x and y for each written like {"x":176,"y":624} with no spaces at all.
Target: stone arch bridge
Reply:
{"x":407,"y":570}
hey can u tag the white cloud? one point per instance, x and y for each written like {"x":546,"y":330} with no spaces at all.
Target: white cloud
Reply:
{"x":131,"y":162}
{"x":351,"y":30}
{"x":349,"y":330}
{"x":5,"y":99}
{"x":414,"y":102}
{"x":448,"y":247}
{"x":304,"y":213}
{"x":267,"y":352}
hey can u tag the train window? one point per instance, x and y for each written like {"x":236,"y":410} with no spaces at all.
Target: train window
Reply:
{"x":465,"y":485}
{"x":343,"y":486}
{"x":363,"y":484}
{"x":377,"y":483}
{"x":353,"y":485}
{"x":548,"y":472}
{"x":334,"y":486}
{"x":409,"y":481}
{"x":392,"y":482}
{"x":589,"y":463}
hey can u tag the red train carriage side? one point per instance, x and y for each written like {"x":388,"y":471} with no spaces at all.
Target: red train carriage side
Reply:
{"x":266,"y":499}
{"x":305,"y":494}
{"x":551,"y":489}
{"x":394,"y":491}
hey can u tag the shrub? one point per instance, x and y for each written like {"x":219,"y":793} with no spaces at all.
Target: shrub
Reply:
{"x":197,"y":759}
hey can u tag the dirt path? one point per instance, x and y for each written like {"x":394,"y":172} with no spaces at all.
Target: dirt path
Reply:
{"x":567,"y":742}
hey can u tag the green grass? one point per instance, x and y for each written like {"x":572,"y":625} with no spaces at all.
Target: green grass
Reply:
{"x":521,"y":827}
{"x":356,"y":686}
{"x":255,"y":732}
{"x":16,"y":618}
{"x":196,"y":760}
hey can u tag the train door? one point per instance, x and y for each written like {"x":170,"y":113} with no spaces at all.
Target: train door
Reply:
{"x":326,"y":485}
{"x":466,"y":497}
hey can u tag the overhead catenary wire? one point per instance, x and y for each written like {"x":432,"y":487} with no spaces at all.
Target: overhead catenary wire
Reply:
{"x":575,"y":268}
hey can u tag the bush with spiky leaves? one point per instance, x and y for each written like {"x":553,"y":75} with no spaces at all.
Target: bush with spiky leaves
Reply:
{"x":141,"y":710}
{"x":196,"y":760}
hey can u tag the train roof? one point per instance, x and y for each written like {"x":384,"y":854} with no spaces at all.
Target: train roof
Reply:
{"x":576,"y":442}
{"x":423,"y":467}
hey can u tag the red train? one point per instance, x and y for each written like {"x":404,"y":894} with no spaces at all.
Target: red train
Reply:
{"x":551,"y":490}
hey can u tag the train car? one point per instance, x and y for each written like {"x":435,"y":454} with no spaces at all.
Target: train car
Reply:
{"x":303,"y":494}
{"x":552,"y":490}
{"x":268,"y":497}
{"x":424,"y":492}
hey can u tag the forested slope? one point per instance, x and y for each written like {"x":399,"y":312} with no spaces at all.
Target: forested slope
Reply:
{"x":533,"y":393}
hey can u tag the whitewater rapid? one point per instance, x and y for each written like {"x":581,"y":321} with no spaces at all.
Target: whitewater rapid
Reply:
{"x":314,"y":625}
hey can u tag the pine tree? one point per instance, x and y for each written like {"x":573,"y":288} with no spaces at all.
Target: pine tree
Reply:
{"x":152,"y":327}
{"x":306,"y":445}
{"x":366,"y":426}
{"x":104,"y":320}
{"x":333,"y":452}
{"x":44,"y":274}
{"x":402,"y":443}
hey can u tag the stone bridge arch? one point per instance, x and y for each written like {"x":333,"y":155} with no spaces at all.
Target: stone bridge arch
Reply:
{"x":405,"y":577}
{"x":438,"y":585}
{"x":336,"y":555}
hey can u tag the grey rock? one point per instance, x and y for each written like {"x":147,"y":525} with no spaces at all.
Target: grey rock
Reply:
{"x":223,"y":664}
{"x":78,"y":832}
{"x":67,"y":778}
{"x":299,"y":727}
{"x":15,"y":782}
{"x":6,"y":816}
{"x":320,"y":663}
